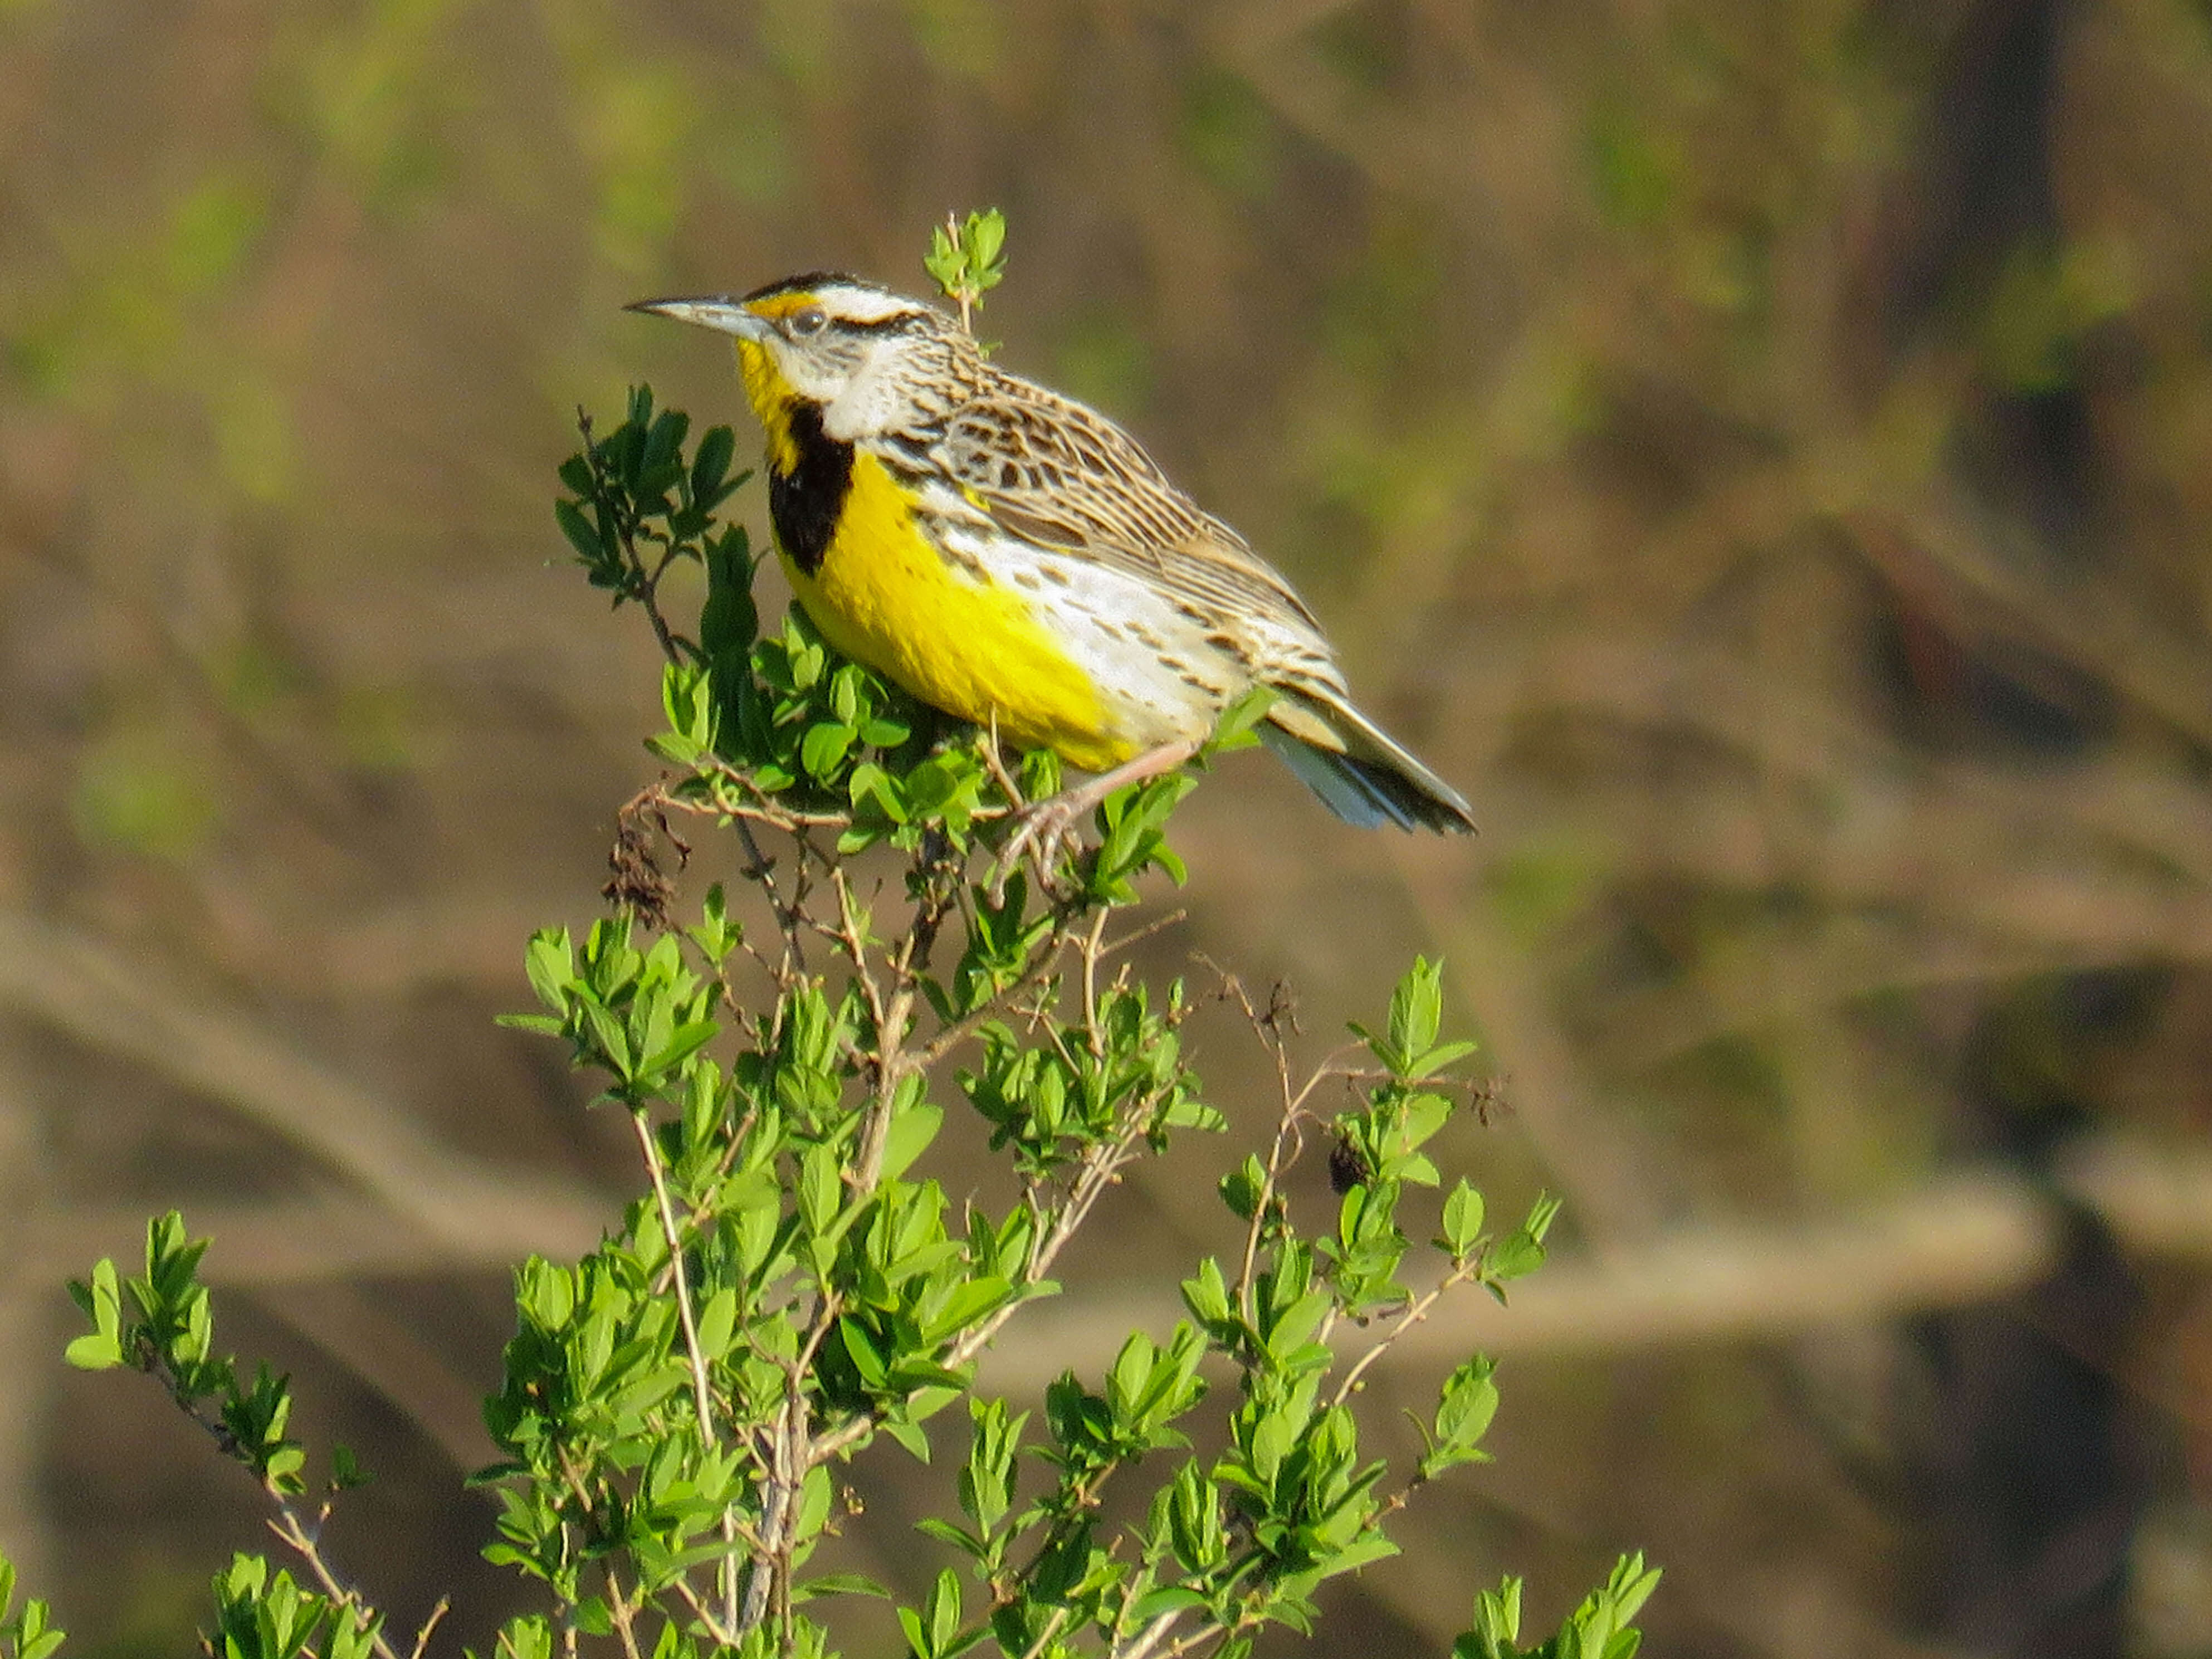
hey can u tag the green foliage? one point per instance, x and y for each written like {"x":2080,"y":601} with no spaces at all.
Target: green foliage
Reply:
{"x":1598,"y":1629}
{"x":634,"y":506}
{"x":794,"y":1283}
{"x":967,"y":258}
{"x":260,"y":1614}
{"x":167,"y":1331}
{"x":25,"y":1633}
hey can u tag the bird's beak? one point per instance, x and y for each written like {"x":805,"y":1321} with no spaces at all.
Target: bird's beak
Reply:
{"x":719,"y":312}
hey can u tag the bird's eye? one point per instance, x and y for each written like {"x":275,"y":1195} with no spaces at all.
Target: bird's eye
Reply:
{"x":807,"y":322}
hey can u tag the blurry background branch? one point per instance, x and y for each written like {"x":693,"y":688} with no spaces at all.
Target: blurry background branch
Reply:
{"x":1962,"y":1241}
{"x":438,"y":1208}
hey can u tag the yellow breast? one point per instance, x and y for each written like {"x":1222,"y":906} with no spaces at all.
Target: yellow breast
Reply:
{"x":884,"y":596}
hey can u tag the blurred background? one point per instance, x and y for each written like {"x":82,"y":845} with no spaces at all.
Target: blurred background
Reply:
{"x":1760,"y":450}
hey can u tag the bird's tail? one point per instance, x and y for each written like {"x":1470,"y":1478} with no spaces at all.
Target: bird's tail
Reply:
{"x":1364,"y":775}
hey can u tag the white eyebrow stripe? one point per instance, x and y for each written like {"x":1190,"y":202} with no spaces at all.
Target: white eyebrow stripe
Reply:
{"x":866,"y":305}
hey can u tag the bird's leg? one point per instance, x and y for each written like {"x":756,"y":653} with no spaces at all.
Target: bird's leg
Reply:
{"x":1045,"y":825}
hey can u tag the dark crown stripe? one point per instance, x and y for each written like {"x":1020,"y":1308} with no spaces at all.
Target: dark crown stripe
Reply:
{"x":804,"y":283}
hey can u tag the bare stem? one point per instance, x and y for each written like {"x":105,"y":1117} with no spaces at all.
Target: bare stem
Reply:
{"x":890,"y":1015}
{"x":1093,"y":950}
{"x":618,"y":1611}
{"x":1278,"y":1157}
{"x":298,"y":1535}
{"x":1149,"y":1638}
{"x":302,"y":1540}
{"x":422,"y":1636}
{"x":949,"y":1037}
{"x":789,"y":913}
{"x":722,"y":1634}
{"x":1415,"y":1312}
{"x":702,"y":1398}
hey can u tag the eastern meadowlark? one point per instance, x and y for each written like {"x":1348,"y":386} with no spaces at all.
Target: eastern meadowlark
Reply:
{"x":1016,"y":559}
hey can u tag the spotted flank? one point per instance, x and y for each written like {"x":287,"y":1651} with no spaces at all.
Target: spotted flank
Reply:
{"x":1013,"y":557}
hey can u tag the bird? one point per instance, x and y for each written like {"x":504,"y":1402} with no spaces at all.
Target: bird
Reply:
{"x":1012,"y":557}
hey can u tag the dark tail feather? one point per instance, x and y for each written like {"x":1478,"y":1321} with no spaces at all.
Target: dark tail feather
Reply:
{"x":1363,"y":775}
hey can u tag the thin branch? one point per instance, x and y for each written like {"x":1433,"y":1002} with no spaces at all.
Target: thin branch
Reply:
{"x":1098,"y":1173}
{"x":422,"y":1636}
{"x":891,"y":1061}
{"x":1414,"y":1313}
{"x":721,"y":1633}
{"x":287,"y":1523}
{"x":1281,"y":1154}
{"x":1054,"y":1622}
{"x":302,"y":1540}
{"x":1150,"y":1638}
{"x":1093,"y":949}
{"x":762,"y":873}
{"x":949,"y":1037}
{"x":702,"y":1398}
{"x":618,"y":1610}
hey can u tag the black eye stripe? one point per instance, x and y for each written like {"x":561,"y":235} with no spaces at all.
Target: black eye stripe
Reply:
{"x":811,"y":321}
{"x":898,"y":322}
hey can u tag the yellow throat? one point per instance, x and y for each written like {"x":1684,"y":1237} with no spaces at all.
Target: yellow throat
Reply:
{"x":885,"y":595}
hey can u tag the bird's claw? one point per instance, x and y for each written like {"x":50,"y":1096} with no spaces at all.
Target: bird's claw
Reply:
{"x":1043,"y":830}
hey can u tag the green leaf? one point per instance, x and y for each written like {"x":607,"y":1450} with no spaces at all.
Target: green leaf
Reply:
{"x":685,"y":1040}
{"x":94,"y":1352}
{"x":1237,"y":727}
{"x":716,"y":448}
{"x":1172,"y":1598}
{"x":1244,"y":1188}
{"x":860,"y":1348}
{"x":1462,"y":1221}
{"x":1467,"y":1402}
{"x":1290,"y":1330}
{"x":551,"y":962}
{"x":910,"y":1439}
{"x":583,"y":536}
{"x":985,"y":235}
{"x":101,"y":1298}
{"x":346,"y":1472}
{"x":1497,"y":1631}
{"x":821,"y":1189}
{"x":1359,"y":1553}
{"x":1207,"y":1294}
{"x":1521,"y":1252}
{"x":839,"y":1584}
{"x":909,"y":1136}
{"x":717,"y":1323}
{"x":969,"y":260}
{"x":1441,"y":1056}
{"x":824,"y":746}
{"x":944,"y":1611}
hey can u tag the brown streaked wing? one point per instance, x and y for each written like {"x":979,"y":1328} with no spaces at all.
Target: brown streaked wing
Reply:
{"x":1053,"y":473}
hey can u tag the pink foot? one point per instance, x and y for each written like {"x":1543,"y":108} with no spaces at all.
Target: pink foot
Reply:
{"x":1045,"y":827}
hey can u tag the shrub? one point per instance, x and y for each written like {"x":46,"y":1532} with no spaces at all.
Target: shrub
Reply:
{"x":793,"y":1289}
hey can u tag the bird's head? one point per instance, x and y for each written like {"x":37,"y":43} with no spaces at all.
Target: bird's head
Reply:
{"x":864,"y":355}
